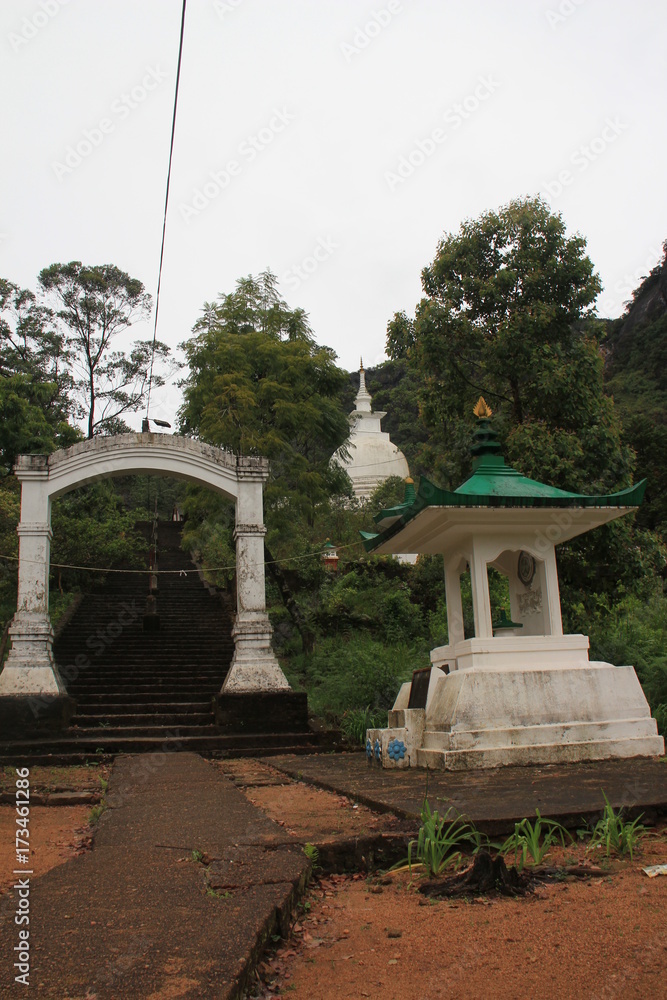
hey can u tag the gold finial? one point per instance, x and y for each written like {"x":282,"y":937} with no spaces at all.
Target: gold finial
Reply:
{"x":482,"y":410}
{"x":361,"y":364}
{"x":410,"y":480}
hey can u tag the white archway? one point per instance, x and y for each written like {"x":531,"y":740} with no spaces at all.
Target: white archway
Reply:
{"x":30,"y":667}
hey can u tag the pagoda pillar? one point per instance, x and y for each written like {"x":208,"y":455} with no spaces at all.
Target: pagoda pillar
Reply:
{"x":254,"y":666}
{"x":455,"y":629}
{"x":30,"y":667}
{"x":481,"y":601}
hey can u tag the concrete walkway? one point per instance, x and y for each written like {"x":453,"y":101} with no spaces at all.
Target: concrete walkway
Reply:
{"x":138,"y":917}
{"x":493,"y":799}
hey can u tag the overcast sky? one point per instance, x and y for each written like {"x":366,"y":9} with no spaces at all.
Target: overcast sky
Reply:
{"x":333,"y":141}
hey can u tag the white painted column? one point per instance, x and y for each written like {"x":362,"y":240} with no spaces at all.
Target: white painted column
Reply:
{"x":455,"y":627}
{"x":30,"y":668}
{"x":254,"y":665}
{"x":481,"y":602}
{"x":552,"y":612}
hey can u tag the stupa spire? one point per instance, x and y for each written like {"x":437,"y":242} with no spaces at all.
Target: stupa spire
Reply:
{"x":363,"y":400}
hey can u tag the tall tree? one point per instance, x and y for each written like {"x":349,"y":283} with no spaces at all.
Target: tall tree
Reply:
{"x":259,"y":384}
{"x":34,"y":378}
{"x":508,"y":314}
{"x":93,"y":305}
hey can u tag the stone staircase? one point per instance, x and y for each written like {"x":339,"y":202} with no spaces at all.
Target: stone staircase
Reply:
{"x":150,"y":685}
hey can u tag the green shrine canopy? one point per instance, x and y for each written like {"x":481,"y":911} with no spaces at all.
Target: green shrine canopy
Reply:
{"x":494,"y":484}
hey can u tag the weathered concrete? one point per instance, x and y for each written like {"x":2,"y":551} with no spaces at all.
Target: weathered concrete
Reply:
{"x":30,"y":669}
{"x":138,"y":916}
{"x":493,"y":799}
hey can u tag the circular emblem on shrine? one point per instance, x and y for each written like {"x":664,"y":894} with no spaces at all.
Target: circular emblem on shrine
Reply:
{"x":526,"y":568}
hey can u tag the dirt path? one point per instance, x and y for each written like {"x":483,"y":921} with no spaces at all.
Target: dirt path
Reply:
{"x":379,"y":938}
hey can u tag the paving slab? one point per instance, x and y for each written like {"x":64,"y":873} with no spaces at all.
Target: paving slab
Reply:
{"x":138,"y":916}
{"x":493,"y":799}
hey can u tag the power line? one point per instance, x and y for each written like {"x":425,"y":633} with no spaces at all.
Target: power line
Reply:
{"x":166,"y":206}
{"x":166,"y":572}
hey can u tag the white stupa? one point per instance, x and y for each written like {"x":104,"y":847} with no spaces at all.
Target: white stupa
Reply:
{"x":372,"y":456}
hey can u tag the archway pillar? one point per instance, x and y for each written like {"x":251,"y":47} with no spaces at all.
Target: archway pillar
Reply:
{"x":254,"y":667}
{"x":30,"y":667}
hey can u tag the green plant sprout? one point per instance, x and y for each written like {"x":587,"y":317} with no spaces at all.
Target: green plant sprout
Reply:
{"x":312,"y":854}
{"x":437,"y":839}
{"x":534,"y":839}
{"x":614,"y":833}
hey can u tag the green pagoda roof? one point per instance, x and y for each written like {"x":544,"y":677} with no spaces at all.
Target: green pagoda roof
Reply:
{"x":492,"y":484}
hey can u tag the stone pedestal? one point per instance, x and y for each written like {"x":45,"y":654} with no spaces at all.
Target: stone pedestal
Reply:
{"x":30,"y":668}
{"x":493,"y":715}
{"x":254,"y":665}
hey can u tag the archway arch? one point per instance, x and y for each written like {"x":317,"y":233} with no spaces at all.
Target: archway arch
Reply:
{"x":30,"y":667}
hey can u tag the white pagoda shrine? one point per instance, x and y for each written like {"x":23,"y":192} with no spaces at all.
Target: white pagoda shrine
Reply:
{"x":371,"y":457}
{"x":518,"y":691}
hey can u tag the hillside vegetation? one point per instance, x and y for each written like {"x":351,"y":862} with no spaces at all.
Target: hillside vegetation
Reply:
{"x":507,"y":312}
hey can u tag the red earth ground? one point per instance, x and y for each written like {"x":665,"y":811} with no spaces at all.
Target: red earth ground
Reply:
{"x":378,"y":937}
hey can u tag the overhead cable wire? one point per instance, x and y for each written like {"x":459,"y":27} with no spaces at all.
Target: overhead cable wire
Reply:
{"x":166,"y":206}
{"x":165,"y":572}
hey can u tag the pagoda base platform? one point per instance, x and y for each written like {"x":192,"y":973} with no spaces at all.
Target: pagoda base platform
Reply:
{"x":488,"y":718}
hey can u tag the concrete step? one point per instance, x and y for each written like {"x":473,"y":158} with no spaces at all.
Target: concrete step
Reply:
{"x":436,"y":740}
{"x":108,"y":710}
{"x":251,"y":744}
{"x":121,"y":721}
{"x":155,"y":728}
{"x":106,"y":698}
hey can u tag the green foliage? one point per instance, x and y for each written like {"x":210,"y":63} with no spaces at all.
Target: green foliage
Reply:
{"x":632,"y":631}
{"x":10,"y":503}
{"x":534,"y":839}
{"x":508,"y":313}
{"x":258,"y":384}
{"x":34,"y":381}
{"x":636,"y":375}
{"x":346,"y":673}
{"x":613,"y":833}
{"x":502,"y":317}
{"x":437,"y":839}
{"x":356,"y":721}
{"x":313,"y":855}
{"x":92,"y":528}
{"x":92,"y":305}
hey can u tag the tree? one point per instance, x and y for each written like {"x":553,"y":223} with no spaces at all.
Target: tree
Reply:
{"x":34,"y":380}
{"x":259,"y":384}
{"x":508,"y":314}
{"x":93,"y":306}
